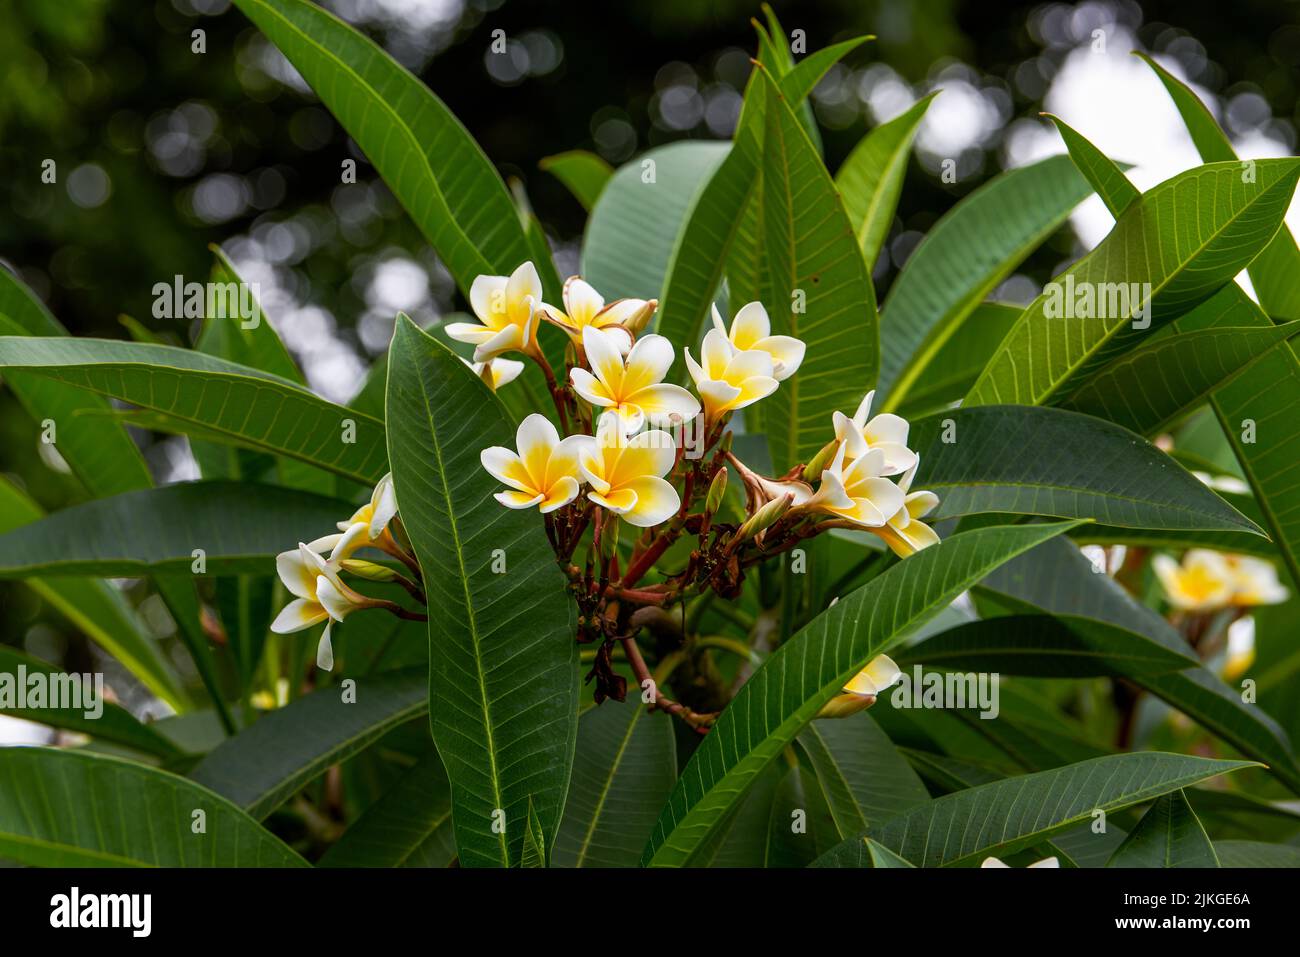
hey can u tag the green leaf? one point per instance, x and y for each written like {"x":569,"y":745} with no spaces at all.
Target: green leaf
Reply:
{"x":1256,"y":854}
{"x":240,"y":527}
{"x":881,"y":856}
{"x":534,"y":841}
{"x":584,"y":174}
{"x":1266,"y":465}
{"x":1107,"y":179}
{"x":963,"y":258}
{"x":1159,"y":382}
{"x":1169,"y":835}
{"x":272,"y":759}
{"x":809,"y":252}
{"x":503,"y":686}
{"x":959,"y":361}
{"x":1056,"y":578}
{"x":1186,"y":238}
{"x":871,"y":178}
{"x":861,"y":773}
{"x":1006,"y":816}
{"x":1036,"y":461}
{"x":803,"y":674}
{"x":105,"y":720}
{"x":623,"y":772}
{"x":711,"y":226}
{"x":634,"y":225}
{"x":1046,"y":646}
{"x":431,"y":163}
{"x":74,"y":809}
{"x":252,"y":407}
{"x":96,"y":607}
{"x":1273,"y":272}
{"x":410,"y":826}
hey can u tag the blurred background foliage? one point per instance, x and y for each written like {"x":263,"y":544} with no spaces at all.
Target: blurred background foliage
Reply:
{"x":161,"y":150}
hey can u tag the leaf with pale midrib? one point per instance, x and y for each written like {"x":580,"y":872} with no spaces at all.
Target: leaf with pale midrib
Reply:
{"x":1169,"y":835}
{"x":1005,"y":816}
{"x":270,"y":760}
{"x":793,"y":684}
{"x":252,"y":407}
{"x":503,"y":664}
{"x":1045,"y":461}
{"x":73,"y":809}
{"x":240,"y":527}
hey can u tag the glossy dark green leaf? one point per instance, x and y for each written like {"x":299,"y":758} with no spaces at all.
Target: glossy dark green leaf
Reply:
{"x":269,"y":761}
{"x":1006,"y":816}
{"x":623,"y":772}
{"x":793,"y":684}
{"x":1169,"y":835}
{"x":584,"y":174}
{"x":74,"y":809}
{"x":503,"y":665}
{"x":240,"y":527}
{"x":1044,"y":461}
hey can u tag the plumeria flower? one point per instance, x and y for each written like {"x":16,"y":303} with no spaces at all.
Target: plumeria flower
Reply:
{"x":752,"y":331}
{"x":871,"y":499}
{"x":1255,"y":581}
{"x":584,"y":307}
{"x":634,"y":388}
{"x":1202,"y":582}
{"x":320,"y":595}
{"x":626,"y":474}
{"x":496,"y":372}
{"x":886,"y":432}
{"x":1045,"y":862}
{"x":368,"y":524}
{"x":863,"y":688}
{"x":505,"y":307}
{"x":544,"y":472}
{"x":905,"y":533}
{"x":728,"y":380}
{"x":1241,"y":649}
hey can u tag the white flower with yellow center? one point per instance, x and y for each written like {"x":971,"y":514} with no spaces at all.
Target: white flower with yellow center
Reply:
{"x":626,"y":474}
{"x":886,"y":432}
{"x":584,"y":307}
{"x":1255,"y":581}
{"x":544,"y":472}
{"x":728,"y":380}
{"x":863,"y":688}
{"x":905,"y":533}
{"x":369,"y":523}
{"x":634,"y":388}
{"x":505,"y":306}
{"x":858,"y":491}
{"x":751,"y":330}
{"x":1202,"y":582}
{"x":496,"y":372}
{"x":319,"y":595}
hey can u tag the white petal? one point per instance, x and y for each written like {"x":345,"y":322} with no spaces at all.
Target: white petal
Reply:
{"x":484,"y":293}
{"x":385,"y":505}
{"x":298,"y":575}
{"x":750,"y":325}
{"x":325,"y":651}
{"x":590,"y":388}
{"x":297,"y":615}
{"x":649,"y":361}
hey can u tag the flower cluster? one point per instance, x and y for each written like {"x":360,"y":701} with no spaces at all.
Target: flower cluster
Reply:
{"x":618,"y":459}
{"x":316,"y":582}
{"x":1206,"y":581}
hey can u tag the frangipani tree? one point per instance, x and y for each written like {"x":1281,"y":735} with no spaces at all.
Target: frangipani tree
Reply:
{"x":608,"y":571}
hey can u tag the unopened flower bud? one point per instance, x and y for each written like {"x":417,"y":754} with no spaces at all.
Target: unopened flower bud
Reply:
{"x":637,"y":322}
{"x":813,"y":470}
{"x":863,"y":688}
{"x":717,"y":489}
{"x":765,"y":517}
{"x":368,"y":570}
